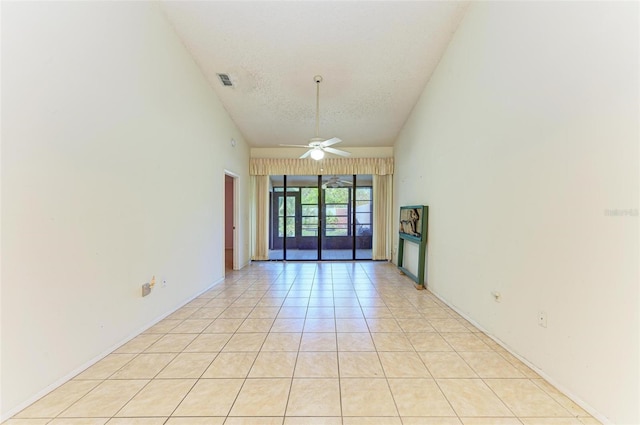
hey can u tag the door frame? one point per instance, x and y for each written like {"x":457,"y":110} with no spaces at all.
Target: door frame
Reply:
{"x":236,"y":220}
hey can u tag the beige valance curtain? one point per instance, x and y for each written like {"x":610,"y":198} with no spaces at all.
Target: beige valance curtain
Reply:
{"x":380,"y":168}
{"x":327,"y":166}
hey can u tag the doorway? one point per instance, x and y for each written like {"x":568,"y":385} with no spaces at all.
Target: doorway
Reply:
{"x":229,"y":222}
{"x":321,"y":218}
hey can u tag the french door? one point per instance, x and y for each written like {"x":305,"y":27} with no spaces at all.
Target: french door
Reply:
{"x":321,"y":218}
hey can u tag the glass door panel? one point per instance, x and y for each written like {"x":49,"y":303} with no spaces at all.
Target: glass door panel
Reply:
{"x":276,"y":221}
{"x":306,"y":247}
{"x":336,"y":218}
{"x":363,"y":221}
{"x":284,"y":218}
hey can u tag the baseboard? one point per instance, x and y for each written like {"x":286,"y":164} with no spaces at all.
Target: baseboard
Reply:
{"x":244,"y":265}
{"x":577,"y":400}
{"x":6,"y":415}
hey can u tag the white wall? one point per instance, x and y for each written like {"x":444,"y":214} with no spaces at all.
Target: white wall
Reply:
{"x":523,"y":144}
{"x":113,"y":156}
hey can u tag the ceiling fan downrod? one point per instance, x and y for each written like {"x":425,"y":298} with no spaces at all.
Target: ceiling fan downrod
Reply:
{"x":318,"y":80}
{"x":318,"y":145}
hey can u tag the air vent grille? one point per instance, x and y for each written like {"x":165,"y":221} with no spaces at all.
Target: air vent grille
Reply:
{"x":224,"y":78}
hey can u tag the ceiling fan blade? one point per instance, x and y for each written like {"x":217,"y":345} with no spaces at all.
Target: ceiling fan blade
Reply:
{"x":337,"y":152}
{"x":306,"y":154}
{"x":330,"y":142}
{"x":296,"y":146}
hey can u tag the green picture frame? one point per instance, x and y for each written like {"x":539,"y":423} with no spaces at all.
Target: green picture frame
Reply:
{"x":413,"y":227}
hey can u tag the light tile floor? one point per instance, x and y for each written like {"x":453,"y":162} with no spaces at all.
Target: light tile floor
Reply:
{"x":308,"y":343}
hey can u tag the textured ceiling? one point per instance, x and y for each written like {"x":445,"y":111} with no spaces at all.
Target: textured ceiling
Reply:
{"x":375,"y":58}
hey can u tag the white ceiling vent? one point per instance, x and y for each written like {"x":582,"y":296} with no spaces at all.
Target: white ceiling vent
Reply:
{"x":224,"y":78}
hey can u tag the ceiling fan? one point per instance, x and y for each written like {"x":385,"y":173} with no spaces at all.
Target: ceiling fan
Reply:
{"x":335,"y":181}
{"x":317,"y":145}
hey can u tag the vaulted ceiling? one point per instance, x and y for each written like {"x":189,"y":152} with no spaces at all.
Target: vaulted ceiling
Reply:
{"x":375,"y":59}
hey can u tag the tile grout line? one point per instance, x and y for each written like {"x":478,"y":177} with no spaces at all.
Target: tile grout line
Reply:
{"x":286,"y":406}
{"x":235,"y":400}
{"x":380,"y":283}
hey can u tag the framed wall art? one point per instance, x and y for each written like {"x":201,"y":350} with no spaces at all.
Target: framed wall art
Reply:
{"x":412,"y":220}
{"x":413,"y":226}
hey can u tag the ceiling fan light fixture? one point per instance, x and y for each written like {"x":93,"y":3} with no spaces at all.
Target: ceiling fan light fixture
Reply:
{"x":317,"y":154}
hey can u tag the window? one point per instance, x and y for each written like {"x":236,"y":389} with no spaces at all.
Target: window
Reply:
{"x":336,"y":209}
{"x":309,"y":211}
{"x":291,"y":216}
{"x":364,"y":207}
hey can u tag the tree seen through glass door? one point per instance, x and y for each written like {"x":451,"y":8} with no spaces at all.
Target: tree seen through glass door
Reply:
{"x":336,"y":208}
{"x":290,"y":217}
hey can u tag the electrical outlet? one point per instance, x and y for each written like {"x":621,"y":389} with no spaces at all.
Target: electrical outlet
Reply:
{"x":164,"y":283}
{"x":542,"y":319}
{"x":146,"y":289}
